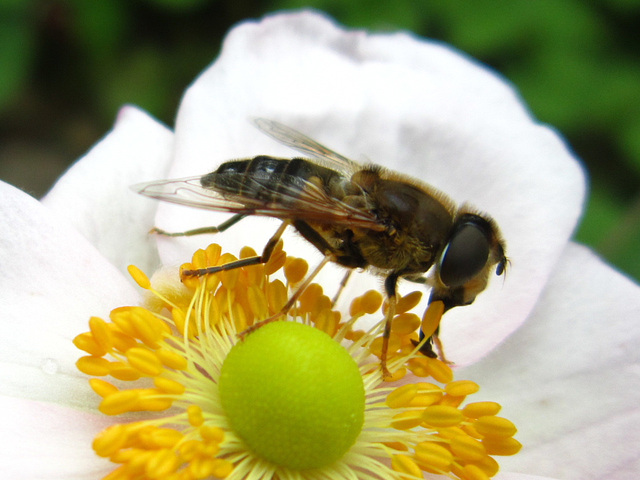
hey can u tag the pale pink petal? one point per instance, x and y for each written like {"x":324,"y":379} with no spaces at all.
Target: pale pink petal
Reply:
{"x":570,"y":377}
{"x":52,"y":281}
{"x":94,"y":195}
{"x":45,"y":441}
{"x":396,"y":100}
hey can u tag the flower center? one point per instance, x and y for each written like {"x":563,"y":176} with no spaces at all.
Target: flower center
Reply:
{"x":294,"y":395}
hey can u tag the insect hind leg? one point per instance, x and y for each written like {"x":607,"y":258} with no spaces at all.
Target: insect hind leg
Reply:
{"x":199,"y":231}
{"x":292,"y":300}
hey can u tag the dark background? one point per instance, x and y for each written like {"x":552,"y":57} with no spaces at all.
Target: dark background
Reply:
{"x":67,"y":66}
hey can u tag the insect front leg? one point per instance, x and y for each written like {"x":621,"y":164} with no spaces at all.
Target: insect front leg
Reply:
{"x":199,"y":231}
{"x":243,"y":262}
{"x":390,"y":284}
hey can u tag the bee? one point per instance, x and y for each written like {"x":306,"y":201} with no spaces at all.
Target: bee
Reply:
{"x":357,"y":216}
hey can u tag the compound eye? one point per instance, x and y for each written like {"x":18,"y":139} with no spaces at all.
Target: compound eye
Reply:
{"x":466,"y":254}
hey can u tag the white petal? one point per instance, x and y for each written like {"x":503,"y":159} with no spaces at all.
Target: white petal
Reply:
{"x":52,"y":281}
{"x":94,"y":194}
{"x":45,"y":441}
{"x":519,"y":476}
{"x":402,"y":102}
{"x":570,"y":377}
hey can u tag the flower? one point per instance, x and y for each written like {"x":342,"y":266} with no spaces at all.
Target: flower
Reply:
{"x":566,"y":376}
{"x":290,"y":401}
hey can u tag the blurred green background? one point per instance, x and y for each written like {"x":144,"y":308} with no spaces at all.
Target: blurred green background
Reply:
{"x":67,"y":66}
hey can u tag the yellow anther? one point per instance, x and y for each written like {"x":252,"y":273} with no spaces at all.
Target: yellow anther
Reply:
{"x":472,"y":472}
{"x":405,"y":465}
{"x":258,"y":302}
{"x":151,"y":402}
{"x":121,"y":317}
{"x":110,"y":440}
{"x":398,"y":374}
{"x":139,"y":277}
{"x":212,"y":254}
{"x":199,"y":260}
{"x":431,"y":318}
{"x":191,"y":282}
{"x":409,"y":301}
{"x":162,"y":464}
{"x":495,"y":427}
{"x":401,"y":447}
{"x":95,"y":366}
{"x":179,"y":319}
{"x":221,"y":468}
{"x":461,"y":388}
{"x":122,"y":371}
{"x":163,"y":438}
{"x":171,"y":359}
{"x":402,"y":396}
{"x":247,"y":252}
{"x":101,"y":333}
{"x":190,"y":449}
{"x":201,"y":467}
{"x":467,"y":448}
{"x":502,"y":446}
{"x":120,"y":402}
{"x":407,"y":420}
{"x":428,"y":394}
{"x":405,"y":323}
{"x":470,"y":430}
{"x":309,"y":298}
{"x":434,"y":455}
{"x":194,"y":413}
{"x":211,"y":434}
{"x":451,"y":401}
{"x":87,"y":343}
{"x":276,"y":262}
{"x":147,"y":327}
{"x":145,"y":361}
{"x":419,"y":366}
{"x":441,"y":416}
{"x":229,"y":278}
{"x":370,"y":301}
{"x":295,"y":269}
{"x":481,"y":409}
{"x":277,"y":296}
{"x":121,"y":341}
{"x":102,"y":388}
{"x":327,"y":321}
{"x":488,"y":465}
{"x":376,"y":346}
{"x":439,"y":370}
{"x":166,"y":385}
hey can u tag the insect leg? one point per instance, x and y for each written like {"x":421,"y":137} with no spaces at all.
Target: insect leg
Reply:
{"x":321,"y":244}
{"x":243,"y":262}
{"x":390,"y":284}
{"x":292,"y":300}
{"x":199,"y":231}
{"x":343,"y":283}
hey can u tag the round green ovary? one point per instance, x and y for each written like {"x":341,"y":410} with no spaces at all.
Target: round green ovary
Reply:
{"x":294,"y":395}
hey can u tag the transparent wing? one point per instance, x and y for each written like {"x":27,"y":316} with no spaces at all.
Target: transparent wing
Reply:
{"x":298,"y":141}
{"x":294,"y":199}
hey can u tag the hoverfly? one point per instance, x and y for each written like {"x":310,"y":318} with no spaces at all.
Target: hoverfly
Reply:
{"x":357,"y":216}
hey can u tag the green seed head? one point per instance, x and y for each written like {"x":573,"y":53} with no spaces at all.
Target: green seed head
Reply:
{"x":294,"y":395}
